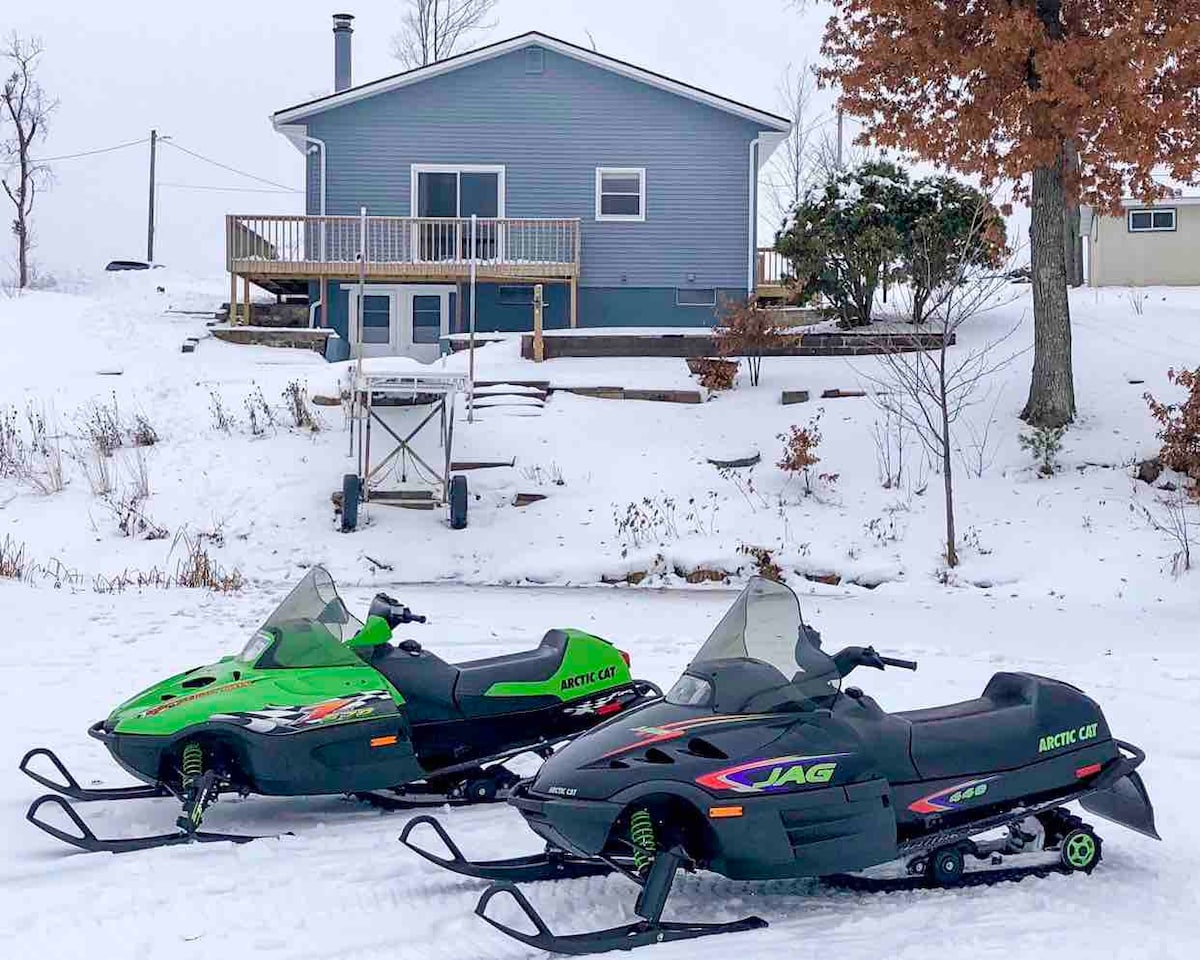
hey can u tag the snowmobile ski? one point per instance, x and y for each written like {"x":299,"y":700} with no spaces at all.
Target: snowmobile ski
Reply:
{"x":87,"y":839}
{"x":70,"y":787}
{"x":650,"y":929}
{"x":549,"y":865}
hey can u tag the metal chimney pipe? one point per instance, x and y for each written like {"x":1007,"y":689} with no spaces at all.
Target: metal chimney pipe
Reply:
{"x":342,"y":30}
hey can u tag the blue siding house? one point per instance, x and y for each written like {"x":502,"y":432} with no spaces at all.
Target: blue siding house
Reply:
{"x":629,"y":196}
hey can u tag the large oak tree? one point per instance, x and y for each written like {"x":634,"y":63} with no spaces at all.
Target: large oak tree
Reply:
{"x":1011,"y":90}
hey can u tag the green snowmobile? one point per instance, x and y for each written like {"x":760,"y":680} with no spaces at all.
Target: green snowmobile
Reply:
{"x":318,"y":702}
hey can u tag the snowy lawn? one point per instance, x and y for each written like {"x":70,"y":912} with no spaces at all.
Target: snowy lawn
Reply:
{"x":1081,"y":533}
{"x":342,"y":885}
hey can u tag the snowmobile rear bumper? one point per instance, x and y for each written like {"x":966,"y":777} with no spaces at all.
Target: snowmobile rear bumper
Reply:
{"x":1121,"y":797}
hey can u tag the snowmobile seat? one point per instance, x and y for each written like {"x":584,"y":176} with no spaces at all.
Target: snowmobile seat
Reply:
{"x":997,"y":731}
{"x":476,"y":677}
{"x":424,"y":679}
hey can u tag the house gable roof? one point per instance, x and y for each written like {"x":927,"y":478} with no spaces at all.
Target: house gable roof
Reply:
{"x":302,"y":111}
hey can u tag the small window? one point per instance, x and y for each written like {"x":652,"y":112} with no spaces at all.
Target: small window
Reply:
{"x":620,"y":193}
{"x":427,"y":318}
{"x":512,"y":296}
{"x":535,"y":60}
{"x":695,"y":297}
{"x":1152,"y":221}
{"x":377,"y":319}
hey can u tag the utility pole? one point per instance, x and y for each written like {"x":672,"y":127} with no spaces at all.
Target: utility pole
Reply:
{"x":150,"y":219}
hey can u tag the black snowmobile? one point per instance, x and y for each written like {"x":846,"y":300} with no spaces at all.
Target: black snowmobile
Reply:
{"x":318,"y":702}
{"x":758,"y":765}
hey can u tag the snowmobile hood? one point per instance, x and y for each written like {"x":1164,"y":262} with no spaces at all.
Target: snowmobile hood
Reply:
{"x":230,"y":688}
{"x":299,"y":658}
{"x":658,"y":741}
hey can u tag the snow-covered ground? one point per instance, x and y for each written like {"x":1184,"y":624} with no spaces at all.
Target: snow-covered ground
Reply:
{"x":1081,"y":533}
{"x":1062,"y":576}
{"x":343,"y":886}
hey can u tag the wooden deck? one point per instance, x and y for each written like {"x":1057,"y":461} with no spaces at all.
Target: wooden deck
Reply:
{"x":399,"y":248}
{"x":273,"y":251}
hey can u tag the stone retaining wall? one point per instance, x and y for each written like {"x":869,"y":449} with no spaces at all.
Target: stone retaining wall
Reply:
{"x":839,"y":344}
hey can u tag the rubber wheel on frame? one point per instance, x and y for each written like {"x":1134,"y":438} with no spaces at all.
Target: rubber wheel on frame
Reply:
{"x":481,"y":791}
{"x":1081,"y":850}
{"x":946,"y":867}
{"x":351,"y":494}
{"x":458,"y":502}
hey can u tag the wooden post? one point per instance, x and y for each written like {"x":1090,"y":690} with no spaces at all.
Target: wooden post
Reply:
{"x":539,"y":345}
{"x":324,"y":301}
{"x":232,"y":298}
{"x":575,"y":275}
{"x":249,"y":317}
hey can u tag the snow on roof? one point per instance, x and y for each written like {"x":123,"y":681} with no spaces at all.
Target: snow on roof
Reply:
{"x":302,"y":111}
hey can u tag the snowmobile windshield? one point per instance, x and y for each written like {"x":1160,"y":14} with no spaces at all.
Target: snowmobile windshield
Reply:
{"x":308,"y":629}
{"x":764,"y":624}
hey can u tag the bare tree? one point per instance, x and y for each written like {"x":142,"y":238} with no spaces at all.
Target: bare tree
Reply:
{"x":433,"y":30}
{"x":929,"y":390}
{"x":25,"y":110}
{"x":790,"y":171}
{"x":1176,"y":523}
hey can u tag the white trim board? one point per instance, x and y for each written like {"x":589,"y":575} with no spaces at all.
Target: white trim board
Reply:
{"x":300,"y":112}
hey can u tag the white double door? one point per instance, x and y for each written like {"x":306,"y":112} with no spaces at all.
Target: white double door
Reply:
{"x":406,"y":320}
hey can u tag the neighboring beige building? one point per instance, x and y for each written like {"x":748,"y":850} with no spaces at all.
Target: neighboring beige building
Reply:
{"x":1152,"y":245}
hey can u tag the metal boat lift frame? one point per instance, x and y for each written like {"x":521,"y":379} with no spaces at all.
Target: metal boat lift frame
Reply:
{"x":391,"y":391}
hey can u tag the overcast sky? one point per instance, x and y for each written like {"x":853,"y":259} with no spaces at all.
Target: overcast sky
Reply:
{"x":209,"y":74}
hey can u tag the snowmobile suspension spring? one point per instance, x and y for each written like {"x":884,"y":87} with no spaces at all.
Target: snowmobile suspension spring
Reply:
{"x":641,"y":832}
{"x":192,"y":762}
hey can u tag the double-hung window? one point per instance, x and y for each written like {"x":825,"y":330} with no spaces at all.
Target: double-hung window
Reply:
{"x":621,"y":193}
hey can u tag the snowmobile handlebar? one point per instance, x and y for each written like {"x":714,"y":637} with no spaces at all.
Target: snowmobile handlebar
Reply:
{"x":392,"y":611}
{"x":850,"y":657}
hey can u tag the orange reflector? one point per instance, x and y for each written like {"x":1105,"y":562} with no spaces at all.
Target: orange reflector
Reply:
{"x":383,"y":741}
{"x":721,"y":813}
{"x":1088,"y":770}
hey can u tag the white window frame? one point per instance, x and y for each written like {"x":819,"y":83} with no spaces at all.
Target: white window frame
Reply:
{"x":1174,"y":212}
{"x":640,"y":173}
{"x":419,"y":168}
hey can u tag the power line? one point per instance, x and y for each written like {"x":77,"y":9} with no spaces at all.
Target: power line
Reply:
{"x":199,"y":186}
{"x":92,"y":153}
{"x":224,"y":166}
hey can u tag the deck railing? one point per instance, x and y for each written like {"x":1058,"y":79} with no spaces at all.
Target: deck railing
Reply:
{"x":332,"y":244}
{"x":773,"y":269}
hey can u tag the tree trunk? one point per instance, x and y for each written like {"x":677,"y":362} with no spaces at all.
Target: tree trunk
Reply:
{"x":947,"y":468}
{"x":1052,"y":390}
{"x":22,"y":258}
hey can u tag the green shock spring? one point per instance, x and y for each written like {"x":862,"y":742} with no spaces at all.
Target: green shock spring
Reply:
{"x":641,"y":832}
{"x":192,"y":762}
